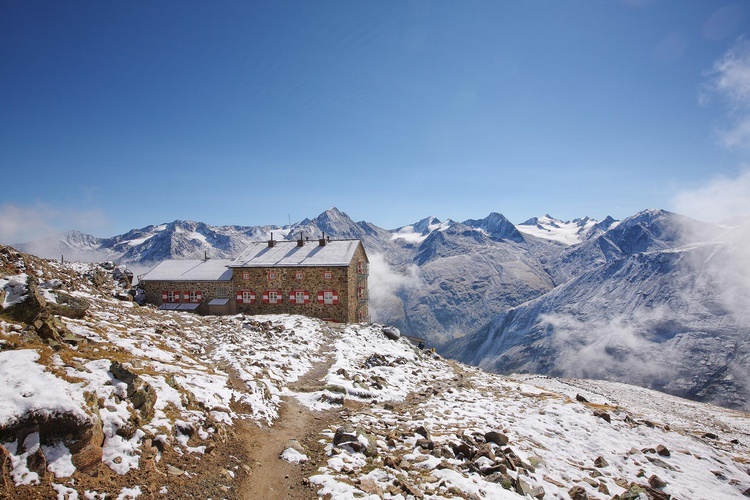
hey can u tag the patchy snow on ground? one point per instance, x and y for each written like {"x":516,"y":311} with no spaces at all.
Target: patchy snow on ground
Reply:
{"x":434,"y":428}
{"x":561,"y":442}
{"x":15,"y":290}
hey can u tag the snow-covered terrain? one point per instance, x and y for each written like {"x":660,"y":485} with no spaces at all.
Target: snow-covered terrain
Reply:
{"x":656,"y":299}
{"x":394,"y":421}
{"x":568,"y":232}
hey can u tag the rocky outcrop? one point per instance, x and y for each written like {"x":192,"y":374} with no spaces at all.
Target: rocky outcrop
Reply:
{"x":139,"y":392}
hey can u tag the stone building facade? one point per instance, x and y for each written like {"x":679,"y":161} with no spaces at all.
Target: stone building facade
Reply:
{"x":326,"y":279}
{"x":189,"y":285}
{"x":323,"y":279}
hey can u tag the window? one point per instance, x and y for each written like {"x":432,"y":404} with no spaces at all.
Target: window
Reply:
{"x":170,"y":296}
{"x":271,"y":297}
{"x":327,"y":275}
{"x":299,"y":275}
{"x":299,"y":297}
{"x":360,"y":267}
{"x":360,"y":293}
{"x":272,"y":275}
{"x":245,"y":297}
{"x":194,"y":296}
{"x":328,"y":297}
{"x":222,"y":292}
{"x":246,"y":276}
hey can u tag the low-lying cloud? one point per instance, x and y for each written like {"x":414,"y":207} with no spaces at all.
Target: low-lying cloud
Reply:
{"x":23,"y":223}
{"x":614,"y":349}
{"x":385,"y":284}
{"x":720,"y":199}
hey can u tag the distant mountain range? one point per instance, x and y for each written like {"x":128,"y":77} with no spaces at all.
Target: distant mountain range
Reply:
{"x":657,"y":299}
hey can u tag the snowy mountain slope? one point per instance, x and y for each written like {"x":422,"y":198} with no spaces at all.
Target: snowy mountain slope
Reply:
{"x":374,"y":418}
{"x":661,"y":318}
{"x":443,"y":280}
{"x":568,"y":232}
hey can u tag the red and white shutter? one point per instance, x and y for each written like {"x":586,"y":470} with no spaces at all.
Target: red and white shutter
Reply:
{"x":265,"y":297}
{"x":164,"y":296}
{"x":177,"y":296}
{"x":186,"y":296}
{"x":239,"y":297}
{"x":305,"y":297}
{"x":198,"y":296}
{"x":334,"y":297}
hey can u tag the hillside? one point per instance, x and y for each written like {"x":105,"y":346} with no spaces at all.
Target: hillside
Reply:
{"x":102,"y":397}
{"x":660,"y":304}
{"x":657,"y":299}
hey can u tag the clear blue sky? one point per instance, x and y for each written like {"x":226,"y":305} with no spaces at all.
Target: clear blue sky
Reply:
{"x":116,"y":115}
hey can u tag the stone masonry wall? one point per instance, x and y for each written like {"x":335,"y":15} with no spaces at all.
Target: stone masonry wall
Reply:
{"x":209,"y":290}
{"x":312,"y":281}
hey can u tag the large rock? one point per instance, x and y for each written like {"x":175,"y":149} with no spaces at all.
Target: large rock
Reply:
{"x":68,"y":306}
{"x":140,"y":393}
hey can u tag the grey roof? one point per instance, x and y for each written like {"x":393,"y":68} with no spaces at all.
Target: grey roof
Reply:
{"x":335,"y":253}
{"x":190,"y":270}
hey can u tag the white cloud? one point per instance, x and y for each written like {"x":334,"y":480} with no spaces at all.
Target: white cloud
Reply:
{"x":720,"y":199}
{"x":385,"y":283}
{"x":729,"y":81}
{"x":23,"y":223}
{"x":611,"y":349}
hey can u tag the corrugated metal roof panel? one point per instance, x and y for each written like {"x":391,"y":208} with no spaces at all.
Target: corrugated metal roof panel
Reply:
{"x":190,"y":270}
{"x":334,"y":253}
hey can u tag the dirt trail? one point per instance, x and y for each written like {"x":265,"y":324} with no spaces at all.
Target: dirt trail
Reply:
{"x":270,"y":476}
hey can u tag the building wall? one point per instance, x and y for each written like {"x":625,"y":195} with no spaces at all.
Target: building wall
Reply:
{"x":209,"y":290}
{"x":346,"y":281}
{"x":285,"y":282}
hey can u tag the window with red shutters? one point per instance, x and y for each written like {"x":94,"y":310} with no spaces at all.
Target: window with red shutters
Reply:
{"x":328,"y":297}
{"x":272,"y":297}
{"x":299,"y":297}
{"x":245,"y":297}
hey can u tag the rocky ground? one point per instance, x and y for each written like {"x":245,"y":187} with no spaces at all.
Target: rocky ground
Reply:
{"x":101,"y":398}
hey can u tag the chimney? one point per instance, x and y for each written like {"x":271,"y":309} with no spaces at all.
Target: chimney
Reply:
{"x":300,"y":241}
{"x":271,"y":243}
{"x":322,"y":241}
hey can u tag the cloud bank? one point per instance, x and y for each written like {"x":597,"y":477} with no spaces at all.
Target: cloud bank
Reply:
{"x":385,"y":284}
{"x":23,"y":223}
{"x":720,"y":199}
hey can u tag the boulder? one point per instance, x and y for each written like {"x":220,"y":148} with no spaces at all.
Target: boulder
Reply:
{"x":356,"y":440}
{"x":496,"y":437}
{"x":392,"y":332}
{"x":140,"y":393}
{"x":69,"y":306}
{"x":578,"y":493}
{"x":523,"y":487}
{"x":599,"y":462}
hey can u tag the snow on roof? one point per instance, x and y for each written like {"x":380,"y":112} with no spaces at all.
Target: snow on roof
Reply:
{"x":190,"y":270}
{"x":289,"y":254}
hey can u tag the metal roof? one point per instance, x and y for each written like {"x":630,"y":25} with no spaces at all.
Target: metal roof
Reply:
{"x":190,"y":270}
{"x":334,"y":253}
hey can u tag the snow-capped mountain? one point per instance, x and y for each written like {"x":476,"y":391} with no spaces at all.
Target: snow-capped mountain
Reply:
{"x":568,"y":232}
{"x":130,"y":402}
{"x":651,"y":306}
{"x":654,"y":290}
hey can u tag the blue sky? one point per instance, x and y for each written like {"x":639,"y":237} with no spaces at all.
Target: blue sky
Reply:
{"x":116,"y":115}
